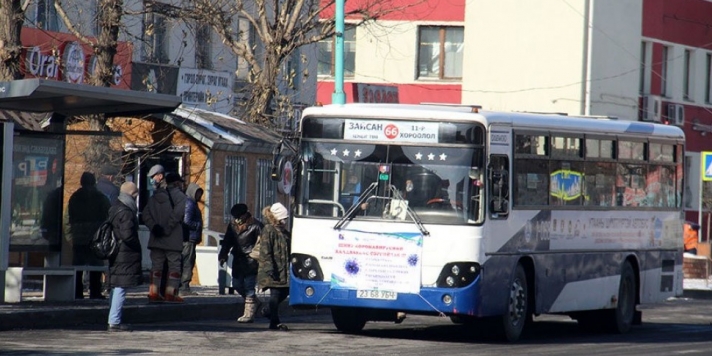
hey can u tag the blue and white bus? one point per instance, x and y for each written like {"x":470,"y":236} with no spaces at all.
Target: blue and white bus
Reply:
{"x":472,"y":214}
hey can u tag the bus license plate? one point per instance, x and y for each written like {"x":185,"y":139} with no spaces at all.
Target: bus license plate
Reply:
{"x":376,"y":294}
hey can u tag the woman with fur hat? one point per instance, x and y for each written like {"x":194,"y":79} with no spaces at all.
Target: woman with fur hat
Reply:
{"x":273,"y":273}
{"x":240,"y":239}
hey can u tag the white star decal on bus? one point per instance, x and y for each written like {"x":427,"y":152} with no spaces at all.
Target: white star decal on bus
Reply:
{"x":443,"y":157}
{"x":333,"y":151}
{"x":346,"y":153}
{"x":357,"y":153}
{"x":431,"y":157}
{"x":419,"y":156}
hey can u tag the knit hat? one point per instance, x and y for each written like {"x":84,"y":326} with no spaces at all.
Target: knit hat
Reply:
{"x":238,"y":210}
{"x":129,"y":188}
{"x":156,"y":169}
{"x":279,"y":211}
{"x":87,"y":180}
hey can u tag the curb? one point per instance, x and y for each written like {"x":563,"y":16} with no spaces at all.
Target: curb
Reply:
{"x":43,"y":316}
{"x":697,"y":294}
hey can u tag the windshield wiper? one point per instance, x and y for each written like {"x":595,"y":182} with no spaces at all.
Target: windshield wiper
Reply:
{"x":366,"y":195}
{"x":356,"y":206}
{"x":411,"y":212}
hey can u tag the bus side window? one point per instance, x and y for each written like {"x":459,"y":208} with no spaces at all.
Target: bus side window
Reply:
{"x":499,"y":186}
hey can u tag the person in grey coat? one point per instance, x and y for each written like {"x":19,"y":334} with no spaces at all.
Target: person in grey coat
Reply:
{"x":125,"y":267}
{"x":163,"y":215}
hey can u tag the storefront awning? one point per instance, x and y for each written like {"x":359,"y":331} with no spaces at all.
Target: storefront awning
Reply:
{"x":40,"y":95}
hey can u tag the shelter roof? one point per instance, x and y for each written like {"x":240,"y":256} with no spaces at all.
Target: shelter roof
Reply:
{"x":41,"y":95}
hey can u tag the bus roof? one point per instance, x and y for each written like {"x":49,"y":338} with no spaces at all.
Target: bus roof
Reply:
{"x":517,"y":120}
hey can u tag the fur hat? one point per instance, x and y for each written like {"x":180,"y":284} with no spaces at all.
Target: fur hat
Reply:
{"x":279,"y":211}
{"x":87,"y":180}
{"x":238,"y":210}
{"x":156,"y":169}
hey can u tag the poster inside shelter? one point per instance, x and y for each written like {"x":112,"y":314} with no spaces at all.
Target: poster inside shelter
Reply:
{"x":36,"y":219}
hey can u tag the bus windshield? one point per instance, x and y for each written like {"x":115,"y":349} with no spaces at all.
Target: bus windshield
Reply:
{"x":434,"y":181}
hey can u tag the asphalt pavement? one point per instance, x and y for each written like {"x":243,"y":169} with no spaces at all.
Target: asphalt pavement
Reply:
{"x":206,"y":304}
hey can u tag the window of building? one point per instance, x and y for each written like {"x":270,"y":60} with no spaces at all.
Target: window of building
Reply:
{"x":686,"y":75}
{"x":156,"y":42}
{"x":708,"y":79}
{"x":203,"y":46}
{"x":643,"y":66}
{"x":97,"y":17}
{"x":46,"y":16}
{"x":235,"y":184}
{"x":440,"y":52}
{"x":326,"y":64}
{"x":292,"y":70}
{"x":266,"y":189}
{"x":664,"y":71}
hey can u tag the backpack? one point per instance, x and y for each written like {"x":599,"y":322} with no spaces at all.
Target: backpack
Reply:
{"x":104,"y":244}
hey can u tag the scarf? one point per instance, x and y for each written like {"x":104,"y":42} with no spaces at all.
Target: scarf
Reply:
{"x":129,"y":201}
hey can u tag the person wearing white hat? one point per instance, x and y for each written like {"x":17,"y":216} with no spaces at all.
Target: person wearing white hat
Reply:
{"x":273,"y":271}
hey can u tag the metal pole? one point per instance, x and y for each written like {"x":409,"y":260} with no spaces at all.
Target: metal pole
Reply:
{"x":699,"y":211}
{"x":338,"y":97}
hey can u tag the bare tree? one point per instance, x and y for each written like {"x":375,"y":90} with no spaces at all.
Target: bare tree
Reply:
{"x":104,"y":46}
{"x":12,"y":17}
{"x":281,"y":27}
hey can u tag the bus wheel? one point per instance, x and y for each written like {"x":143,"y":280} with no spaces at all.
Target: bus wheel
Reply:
{"x":621,"y":318}
{"x":517,"y":313}
{"x":348,"y":320}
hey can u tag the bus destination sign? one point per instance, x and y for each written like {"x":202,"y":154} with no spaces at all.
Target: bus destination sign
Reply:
{"x":395,"y":131}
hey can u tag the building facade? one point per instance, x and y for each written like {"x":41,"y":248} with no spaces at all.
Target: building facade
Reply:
{"x":415,"y":50}
{"x":646,"y":60}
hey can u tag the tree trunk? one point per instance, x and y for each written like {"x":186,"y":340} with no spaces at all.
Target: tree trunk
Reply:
{"x":11,"y":19}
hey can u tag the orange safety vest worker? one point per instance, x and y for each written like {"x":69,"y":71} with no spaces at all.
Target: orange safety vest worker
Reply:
{"x":691,"y":236}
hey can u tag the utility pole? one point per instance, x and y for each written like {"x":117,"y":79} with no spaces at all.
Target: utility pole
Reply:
{"x":338,"y":97}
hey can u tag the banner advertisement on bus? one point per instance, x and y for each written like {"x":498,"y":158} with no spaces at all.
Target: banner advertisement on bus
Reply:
{"x":378,"y":261}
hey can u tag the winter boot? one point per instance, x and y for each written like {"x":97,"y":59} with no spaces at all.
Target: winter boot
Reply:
{"x":251,"y":305}
{"x":153,"y":294}
{"x":172,"y":288}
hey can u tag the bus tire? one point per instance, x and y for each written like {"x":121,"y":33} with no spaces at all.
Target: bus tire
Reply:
{"x":348,"y":320}
{"x":517,"y":313}
{"x":620,"y":319}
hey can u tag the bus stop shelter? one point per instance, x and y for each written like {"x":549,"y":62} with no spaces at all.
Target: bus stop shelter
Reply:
{"x":61,"y":100}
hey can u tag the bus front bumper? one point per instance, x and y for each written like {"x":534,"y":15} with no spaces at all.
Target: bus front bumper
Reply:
{"x":430,"y":300}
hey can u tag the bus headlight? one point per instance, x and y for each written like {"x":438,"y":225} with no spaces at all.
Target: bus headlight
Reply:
{"x":306,"y":267}
{"x":458,"y":274}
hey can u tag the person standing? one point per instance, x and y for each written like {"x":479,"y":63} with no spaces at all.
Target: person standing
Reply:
{"x":156,"y":175}
{"x":88,"y":208}
{"x":105,"y":183}
{"x":163,"y":215}
{"x":240,"y":239}
{"x":691,"y":237}
{"x":273,"y":271}
{"x":193,"y":220}
{"x":125,"y":267}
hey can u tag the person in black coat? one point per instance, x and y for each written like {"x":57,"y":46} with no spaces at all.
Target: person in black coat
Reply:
{"x":240,"y":239}
{"x":125,"y":267}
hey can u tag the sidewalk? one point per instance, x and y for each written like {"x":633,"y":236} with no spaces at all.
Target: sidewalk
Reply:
{"x":33,"y":313}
